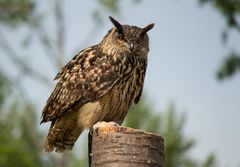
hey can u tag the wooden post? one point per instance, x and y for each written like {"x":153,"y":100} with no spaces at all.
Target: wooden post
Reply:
{"x":117,"y":146}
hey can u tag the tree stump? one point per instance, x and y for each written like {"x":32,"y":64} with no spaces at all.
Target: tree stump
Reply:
{"x":117,"y":146}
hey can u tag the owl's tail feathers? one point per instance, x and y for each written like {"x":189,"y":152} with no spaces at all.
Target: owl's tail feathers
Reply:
{"x":61,"y":138}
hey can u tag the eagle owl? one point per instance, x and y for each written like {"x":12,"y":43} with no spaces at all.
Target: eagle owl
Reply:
{"x":99,"y":84}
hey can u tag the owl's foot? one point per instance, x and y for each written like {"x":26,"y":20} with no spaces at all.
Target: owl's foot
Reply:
{"x":102,"y":124}
{"x":114,"y":123}
{"x":91,"y":131}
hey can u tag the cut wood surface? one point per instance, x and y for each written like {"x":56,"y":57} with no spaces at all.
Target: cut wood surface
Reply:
{"x":117,"y":146}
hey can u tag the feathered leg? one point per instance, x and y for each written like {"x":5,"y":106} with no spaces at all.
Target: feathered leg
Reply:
{"x":63,"y":133}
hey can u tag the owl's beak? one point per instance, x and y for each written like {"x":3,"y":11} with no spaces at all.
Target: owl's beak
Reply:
{"x":131,"y":46}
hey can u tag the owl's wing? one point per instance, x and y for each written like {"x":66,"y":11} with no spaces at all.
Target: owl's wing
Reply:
{"x":140,"y":72}
{"x":88,"y":76}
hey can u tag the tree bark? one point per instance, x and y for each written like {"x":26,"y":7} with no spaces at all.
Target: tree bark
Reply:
{"x":117,"y":146}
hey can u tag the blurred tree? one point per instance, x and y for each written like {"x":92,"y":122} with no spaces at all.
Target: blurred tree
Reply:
{"x":170,"y":125}
{"x":4,"y":89}
{"x":20,"y":137}
{"x":25,"y":14}
{"x":230,"y":9}
{"x":13,"y":12}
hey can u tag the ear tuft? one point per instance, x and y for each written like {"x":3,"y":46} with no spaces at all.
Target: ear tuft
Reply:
{"x":147,"y":28}
{"x":116,"y":24}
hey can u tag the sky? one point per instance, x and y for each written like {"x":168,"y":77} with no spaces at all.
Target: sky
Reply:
{"x":185,"y":53}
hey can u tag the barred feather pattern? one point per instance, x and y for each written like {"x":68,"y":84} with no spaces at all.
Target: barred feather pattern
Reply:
{"x":100,"y":83}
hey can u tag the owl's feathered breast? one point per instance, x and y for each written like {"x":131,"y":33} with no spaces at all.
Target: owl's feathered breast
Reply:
{"x":87,"y":77}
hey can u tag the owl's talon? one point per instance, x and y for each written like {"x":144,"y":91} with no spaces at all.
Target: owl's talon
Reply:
{"x":114,"y":123}
{"x":104,"y":124}
{"x":91,"y":131}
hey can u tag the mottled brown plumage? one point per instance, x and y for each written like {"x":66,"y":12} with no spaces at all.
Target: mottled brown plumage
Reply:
{"x":99,"y":84}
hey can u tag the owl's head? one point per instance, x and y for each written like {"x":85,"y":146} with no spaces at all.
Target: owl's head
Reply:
{"x":126,"y":38}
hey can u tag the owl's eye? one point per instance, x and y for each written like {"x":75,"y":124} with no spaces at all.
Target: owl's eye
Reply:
{"x":121,"y":38}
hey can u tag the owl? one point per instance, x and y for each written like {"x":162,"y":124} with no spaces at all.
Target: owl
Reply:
{"x":100,"y":83}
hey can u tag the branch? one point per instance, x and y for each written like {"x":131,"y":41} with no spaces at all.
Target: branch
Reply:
{"x":60,"y":31}
{"x":16,"y":83}
{"x":46,"y":45}
{"x":44,"y":39}
{"x":113,"y":145}
{"x":22,"y":65}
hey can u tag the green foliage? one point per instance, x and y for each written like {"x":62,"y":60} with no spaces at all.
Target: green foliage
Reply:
{"x":230,"y":9}
{"x":230,"y":66}
{"x":141,"y":117}
{"x":4,"y":89}
{"x":111,"y":5}
{"x":210,"y":161}
{"x":15,"y":11}
{"x":171,"y":126}
{"x":20,"y":137}
{"x":76,"y":161}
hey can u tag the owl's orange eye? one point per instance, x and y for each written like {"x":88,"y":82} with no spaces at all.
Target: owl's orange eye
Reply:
{"x":121,"y":38}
